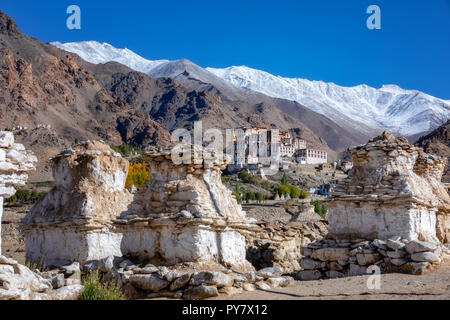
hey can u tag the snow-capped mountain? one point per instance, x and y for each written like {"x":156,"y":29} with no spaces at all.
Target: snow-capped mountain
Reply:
{"x":362,"y":107}
{"x":390,"y":107}
{"x":96,"y":52}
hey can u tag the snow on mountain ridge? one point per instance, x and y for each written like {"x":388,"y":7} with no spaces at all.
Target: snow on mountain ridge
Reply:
{"x":362,"y":107}
{"x":96,"y":52}
{"x":389,"y":107}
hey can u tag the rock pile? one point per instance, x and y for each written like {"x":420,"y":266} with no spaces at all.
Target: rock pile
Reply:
{"x":340,"y":258}
{"x":147,"y":281}
{"x":17,"y":282}
{"x":73,"y":222}
{"x":15,"y":161}
{"x":394,"y":189}
{"x":279,"y":244}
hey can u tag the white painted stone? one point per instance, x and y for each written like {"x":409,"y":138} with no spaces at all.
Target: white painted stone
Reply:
{"x":6,"y":139}
{"x":60,"y":247}
{"x":386,"y":195}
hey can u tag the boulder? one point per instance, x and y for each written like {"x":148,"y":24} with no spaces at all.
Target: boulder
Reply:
{"x":217,"y":279}
{"x":149,"y":282}
{"x":308,"y":275}
{"x":332,"y":274}
{"x":356,"y":270}
{"x":425,"y":257}
{"x":396,"y":254}
{"x":330,"y":254}
{"x":398,"y":262}
{"x":394,"y":244}
{"x":310,"y":264}
{"x":365,"y":259}
{"x":171,"y":275}
{"x":270,"y":272}
{"x":58,"y":281}
{"x":73,"y":292}
{"x":420,"y":246}
{"x":416,"y":268}
{"x":379,"y":244}
{"x":280,"y":281}
{"x":230,"y":291}
{"x":248,"y":287}
{"x":200,"y":292}
{"x":180,"y":282}
{"x":262,"y":286}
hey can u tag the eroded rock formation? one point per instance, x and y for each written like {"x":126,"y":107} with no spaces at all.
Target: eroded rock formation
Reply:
{"x":394,"y":189}
{"x":390,"y":213}
{"x":15,"y":162}
{"x":185,"y":214}
{"x":73,"y":222}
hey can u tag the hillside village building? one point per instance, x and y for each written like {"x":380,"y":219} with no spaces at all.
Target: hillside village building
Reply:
{"x":311,"y":156}
{"x":252,"y":147}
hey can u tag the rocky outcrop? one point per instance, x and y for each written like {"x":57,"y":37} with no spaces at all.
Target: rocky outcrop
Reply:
{"x":73,"y":222}
{"x":15,"y":162}
{"x":394,"y":189}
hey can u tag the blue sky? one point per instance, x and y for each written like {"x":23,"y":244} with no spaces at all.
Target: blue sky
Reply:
{"x":319,"y":40}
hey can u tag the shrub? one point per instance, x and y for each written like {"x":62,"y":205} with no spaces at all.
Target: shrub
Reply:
{"x":23,"y":196}
{"x":238,"y":197}
{"x":265,"y":184}
{"x":126,"y":149}
{"x":259,"y":197}
{"x":288,"y":189}
{"x":319,"y":208}
{"x":249,"y":178}
{"x":282,"y":190}
{"x":303,"y":194}
{"x":12,"y":199}
{"x":95,"y":289}
{"x":251,"y":195}
{"x":138,"y":175}
{"x":226,"y":179}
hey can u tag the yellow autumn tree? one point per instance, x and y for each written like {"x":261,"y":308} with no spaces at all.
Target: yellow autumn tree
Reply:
{"x":138,"y":175}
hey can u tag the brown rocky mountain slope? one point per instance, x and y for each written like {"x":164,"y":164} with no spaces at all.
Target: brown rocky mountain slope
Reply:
{"x":41,"y":84}
{"x":438,"y":142}
{"x":174,"y":105}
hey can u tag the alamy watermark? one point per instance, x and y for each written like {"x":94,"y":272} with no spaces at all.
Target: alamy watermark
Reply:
{"x":73,"y":22}
{"x":374,"y":20}
{"x":374,"y":281}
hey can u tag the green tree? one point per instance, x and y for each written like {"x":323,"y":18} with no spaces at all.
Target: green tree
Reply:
{"x":319,"y":208}
{"x":260,"y":197}
{"x":284,"y":180}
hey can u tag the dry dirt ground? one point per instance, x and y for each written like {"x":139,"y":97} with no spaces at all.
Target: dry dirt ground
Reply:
{"x":434,"y":285}
{"x":13,"y":244}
